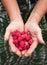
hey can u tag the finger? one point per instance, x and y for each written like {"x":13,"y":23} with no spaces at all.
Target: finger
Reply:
{"x":40,"y":38}
{"x":23,"y":52}
{"x":32,"y":48}
{"x":7,"y":34}
{"x":14,"y":48}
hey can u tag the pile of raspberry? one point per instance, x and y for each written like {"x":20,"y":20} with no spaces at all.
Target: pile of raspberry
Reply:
{"x":22,"y":40}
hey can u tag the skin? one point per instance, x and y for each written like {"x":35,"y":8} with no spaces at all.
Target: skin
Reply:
{"x":16,"y":22}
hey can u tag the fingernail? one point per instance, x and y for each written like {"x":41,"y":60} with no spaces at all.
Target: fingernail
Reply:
{"x":43,"y":42}
{"x":4,"y":39}
{"x":26,"y":54}
{"x":23,"y":52}
{"x":20,"y":55}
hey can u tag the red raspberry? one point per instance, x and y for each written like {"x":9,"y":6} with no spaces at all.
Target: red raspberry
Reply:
{"x":28,"y":46}
{"x":18,"y":34}
{"x":27,"y":38}
{"x":17,"y":31}
{"x":23,"y":37}
{"x":20,"y":48}
{"x":26,"y":43}
{"x":15,"y":41}
{"x":13,"y":34}
{"x":25,"y":47}
{"x":22,"y":40}
{"x":19,"y":39}
{"x":22,"y":43}
{"x":30,"y":41}
{"x":22,"y":33}
{"x":17,"y":45}
{"x":14,"y":38}
{"x":28,"y":32}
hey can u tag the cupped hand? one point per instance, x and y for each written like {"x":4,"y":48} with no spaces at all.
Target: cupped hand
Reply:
{"x":36,"y":33}
{"x":13,"y":26}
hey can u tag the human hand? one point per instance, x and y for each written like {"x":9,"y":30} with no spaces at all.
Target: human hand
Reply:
{"x":36,"y":33}
{"x":13,"y":26}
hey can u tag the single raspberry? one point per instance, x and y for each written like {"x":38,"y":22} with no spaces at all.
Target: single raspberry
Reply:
{"x":14,"y":38}
{"x":22,"y":33}
{"x":26,"y":43}
{"x":15,"y":41}
{"x":22,"y":43}
{"x":27,"y":37}
{"x":20,"y":48}
{"x":28,"y":32}
{"x":30,"y":41}
{"x":23,"y":37}
{"x":17,"y":45}
{"x":19,"y":39}
{"x":13,"y":34}
{"x":18,"y":34}
{"x":17,"y":31}
{"x":28,"y":46}
{"x":25,"y":47}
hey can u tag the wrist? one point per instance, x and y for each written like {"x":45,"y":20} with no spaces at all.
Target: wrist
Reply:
{"x":38,"y":11}
{"x":16,"y":20}
{"x":35,"y":17}
{"x":15,"y":17}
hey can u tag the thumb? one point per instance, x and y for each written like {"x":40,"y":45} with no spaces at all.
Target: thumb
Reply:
{"x":40,"y":38}
{"x":7,"y":34}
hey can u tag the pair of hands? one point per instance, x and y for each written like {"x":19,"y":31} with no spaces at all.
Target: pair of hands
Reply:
{"x":36,"y":33}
